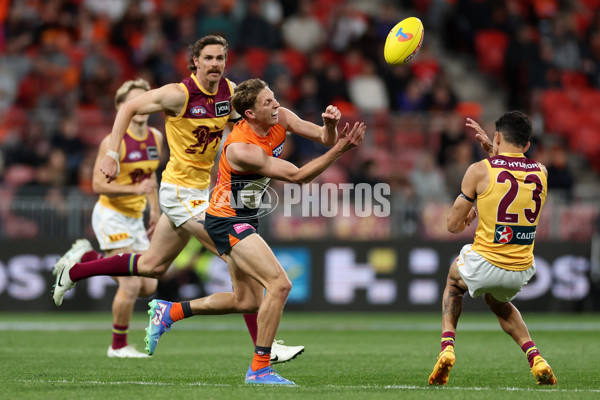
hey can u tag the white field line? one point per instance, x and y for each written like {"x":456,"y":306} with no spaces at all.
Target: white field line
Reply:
{"x":197,"y":325}
{"x":336,"y":387}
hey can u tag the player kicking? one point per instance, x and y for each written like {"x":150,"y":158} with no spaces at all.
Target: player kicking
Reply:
{"x":510,"y":190}
{"x":249,"y":161}
{"x":197,"y":112}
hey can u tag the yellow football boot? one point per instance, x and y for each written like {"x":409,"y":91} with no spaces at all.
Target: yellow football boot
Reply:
{"x":441,"y":370}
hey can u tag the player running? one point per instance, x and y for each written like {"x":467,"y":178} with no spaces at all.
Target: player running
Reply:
{"x":197,"y":112}
{"x":510,"y":190}
{"x":249,"y":161}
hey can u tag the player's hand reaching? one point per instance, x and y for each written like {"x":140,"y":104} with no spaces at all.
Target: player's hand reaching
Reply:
{"x":481,"y":136}
{"x":350,"y":138}
{"x":110,"y":168}
{"x":331,"y":116}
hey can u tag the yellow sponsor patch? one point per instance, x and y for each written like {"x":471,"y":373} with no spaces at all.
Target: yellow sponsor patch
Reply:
{"x":118,"y":237}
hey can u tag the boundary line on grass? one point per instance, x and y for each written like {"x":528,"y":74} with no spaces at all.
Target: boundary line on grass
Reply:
{"x":217,"y":327}
{"x":390,"y":387}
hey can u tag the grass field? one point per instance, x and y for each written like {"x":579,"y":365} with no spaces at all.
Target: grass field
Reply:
{"x":348,"y":356}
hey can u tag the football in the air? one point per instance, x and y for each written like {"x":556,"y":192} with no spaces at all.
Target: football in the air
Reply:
{"x":404,"y":41}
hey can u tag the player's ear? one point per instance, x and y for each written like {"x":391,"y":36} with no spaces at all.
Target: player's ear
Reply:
{"x":249,"y":113}
{"x":526,"y":147}
{"x":497,"y":137}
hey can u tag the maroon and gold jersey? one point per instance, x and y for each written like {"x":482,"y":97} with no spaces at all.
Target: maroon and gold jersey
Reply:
{"x":509,"y":211}
{"x":239,"y":194}
{"x":195,"y":134}
{"x":138,"y":159}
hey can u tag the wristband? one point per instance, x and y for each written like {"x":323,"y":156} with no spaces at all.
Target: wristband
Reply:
{"x":115,"y":156}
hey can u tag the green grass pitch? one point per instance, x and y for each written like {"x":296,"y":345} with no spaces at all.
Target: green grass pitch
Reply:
{"x":348,"y":356}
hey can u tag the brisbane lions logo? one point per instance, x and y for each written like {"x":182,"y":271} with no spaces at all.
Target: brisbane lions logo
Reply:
{"x":204,"y":138}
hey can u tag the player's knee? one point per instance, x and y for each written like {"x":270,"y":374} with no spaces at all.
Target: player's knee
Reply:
{"x":148,"y":288}
{"x":282,"y":288}
{"x":130,"y":287}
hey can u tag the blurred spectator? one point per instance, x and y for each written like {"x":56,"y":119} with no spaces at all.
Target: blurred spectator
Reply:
{"x":332,"y":86}
{"x":452,"y":134}
{"x":255,"y":31}
{"x":428,"y":180}
{"x":413,"y":98}
{"x":518,"y":62}
{"x":31,"y":148}
{"x":560,"y":177}
{"x":398,"y":79}
{"x":461,"y":157}
{"x":346,"y":25}
{"x":591,"y":60}
{"x":440,"y":97}
{"x":302,"y":31}
{"x":544,"y":74}
{"x":66,"y":137}
{"x":214,"y":20}
{"x":309,"y":106}
{"x":367,"y":90}
{"x":566,"y":53}
{"x":277,"y":66}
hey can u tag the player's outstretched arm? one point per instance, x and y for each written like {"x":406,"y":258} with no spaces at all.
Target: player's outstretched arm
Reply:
{"x":249,"y":157}
{"x":169,"y":99}
{"x":326,"y":134}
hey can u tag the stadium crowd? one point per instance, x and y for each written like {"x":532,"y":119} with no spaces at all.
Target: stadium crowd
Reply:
{"x":62,"y":60}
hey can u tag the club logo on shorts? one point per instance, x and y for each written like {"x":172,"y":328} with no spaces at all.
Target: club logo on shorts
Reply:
{"x":222,"y":108}
{"x":196,"y":203}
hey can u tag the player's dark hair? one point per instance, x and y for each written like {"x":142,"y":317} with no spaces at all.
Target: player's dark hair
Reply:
{"x":515,"y":127}
{"x":196,"y":48}
{"x":245,"y":94}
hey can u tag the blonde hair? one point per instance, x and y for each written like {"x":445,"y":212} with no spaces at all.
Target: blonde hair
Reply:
{"x":245,"y":95}
{"x":127,"y":87}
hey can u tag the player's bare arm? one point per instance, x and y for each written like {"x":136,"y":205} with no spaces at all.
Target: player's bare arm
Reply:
{"x":326,"y":134}
{"x":169,"y":99}
{"x":463,"y":210}
{"x":249,"y":157}
{"x":101,"y":186}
